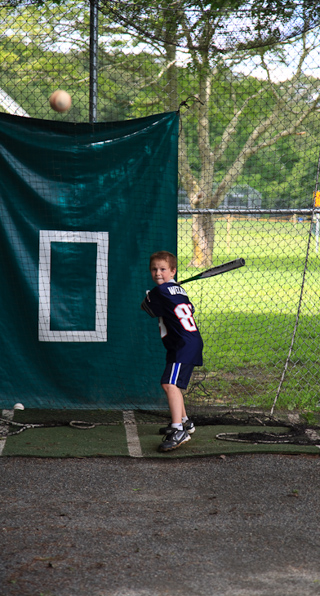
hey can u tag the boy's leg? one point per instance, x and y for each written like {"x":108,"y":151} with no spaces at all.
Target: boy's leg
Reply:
{"x":175,"y":401}
{"x":175,"y":377}
{"x":184,"y":413}
{"x":175,"y":406}
{"x":177,"y":435}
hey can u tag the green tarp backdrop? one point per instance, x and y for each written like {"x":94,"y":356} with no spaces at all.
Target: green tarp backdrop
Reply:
{"x":82,"y":207}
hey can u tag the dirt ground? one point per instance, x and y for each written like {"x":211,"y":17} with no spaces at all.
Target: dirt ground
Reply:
{"x":220,"y":526}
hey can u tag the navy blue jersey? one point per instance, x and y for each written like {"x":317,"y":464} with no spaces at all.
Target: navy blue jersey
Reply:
{"x":178,"y":330}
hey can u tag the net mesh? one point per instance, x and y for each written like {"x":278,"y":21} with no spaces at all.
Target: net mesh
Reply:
{"x":246,"y":81}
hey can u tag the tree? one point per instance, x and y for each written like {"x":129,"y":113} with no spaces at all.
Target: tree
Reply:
{"x":180,"y":53}
{"x":204,"y":31}
{"x":45,"y":45}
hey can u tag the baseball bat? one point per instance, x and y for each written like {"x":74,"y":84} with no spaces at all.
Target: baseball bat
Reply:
{"x":216,"y":270}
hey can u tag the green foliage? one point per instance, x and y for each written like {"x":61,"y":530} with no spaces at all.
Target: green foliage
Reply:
{"x":202,"y":26}
{"x":45,"y":46}
{"x":247,"y":317}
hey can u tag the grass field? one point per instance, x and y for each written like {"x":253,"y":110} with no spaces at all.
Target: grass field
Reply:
{"x":247,"y":317}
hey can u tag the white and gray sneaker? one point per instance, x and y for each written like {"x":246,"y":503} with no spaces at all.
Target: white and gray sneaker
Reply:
{"x":174,"y":439}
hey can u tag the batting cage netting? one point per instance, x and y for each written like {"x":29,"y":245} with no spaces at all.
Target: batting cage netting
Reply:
{"x":194,"y":127}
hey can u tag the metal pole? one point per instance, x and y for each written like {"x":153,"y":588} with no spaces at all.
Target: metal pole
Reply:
{"x":93,"y":97}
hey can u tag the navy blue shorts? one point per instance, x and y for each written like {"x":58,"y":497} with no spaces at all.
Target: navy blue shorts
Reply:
{"x":177,"y":373}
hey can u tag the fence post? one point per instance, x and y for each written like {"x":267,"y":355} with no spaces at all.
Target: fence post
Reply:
{"x":229,"y":219}
{"x":93,"y":97}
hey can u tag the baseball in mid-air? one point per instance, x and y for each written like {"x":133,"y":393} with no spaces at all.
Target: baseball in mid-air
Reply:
{"x":18,"y":407}
{"x":60,"y":101}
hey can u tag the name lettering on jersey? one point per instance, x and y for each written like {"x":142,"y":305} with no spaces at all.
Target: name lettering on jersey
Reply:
{"x":177,"y":290}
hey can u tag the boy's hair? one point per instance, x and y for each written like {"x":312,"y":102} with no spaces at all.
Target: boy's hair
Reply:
{"x":164,"y":255}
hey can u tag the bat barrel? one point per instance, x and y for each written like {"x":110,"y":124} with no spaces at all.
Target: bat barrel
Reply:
{"x":223,"y":268}
{"x":217,"y":270}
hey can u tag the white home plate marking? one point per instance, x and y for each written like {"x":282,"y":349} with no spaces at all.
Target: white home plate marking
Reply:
{"x":4,"y":428}
{"x":133,"y":442}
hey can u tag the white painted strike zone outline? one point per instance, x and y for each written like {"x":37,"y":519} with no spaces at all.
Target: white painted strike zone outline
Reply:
{"x":132,"y":435}
{"x":101,"y":239}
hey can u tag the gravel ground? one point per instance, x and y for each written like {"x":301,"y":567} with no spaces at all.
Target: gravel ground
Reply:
{"x":228,"y":526}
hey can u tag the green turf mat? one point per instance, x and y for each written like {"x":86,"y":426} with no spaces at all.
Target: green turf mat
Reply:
{"x":204,"y":442}
{"x":68,"y":442}
{"x":107,"y":437}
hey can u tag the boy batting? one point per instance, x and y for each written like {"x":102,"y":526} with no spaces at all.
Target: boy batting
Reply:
{"x":181,"y":339}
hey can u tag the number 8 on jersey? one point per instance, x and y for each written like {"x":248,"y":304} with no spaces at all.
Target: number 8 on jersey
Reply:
{"x":185,"y":316}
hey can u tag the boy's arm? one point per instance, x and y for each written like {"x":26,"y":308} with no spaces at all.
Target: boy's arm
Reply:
{"x":145,"y":305}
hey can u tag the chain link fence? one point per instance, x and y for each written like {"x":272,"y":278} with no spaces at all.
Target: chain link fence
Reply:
{"x":247,"y":84}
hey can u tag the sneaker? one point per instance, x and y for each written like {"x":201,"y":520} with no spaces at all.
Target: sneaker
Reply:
{"x":188,"y":426}
{"x":174,"y":440}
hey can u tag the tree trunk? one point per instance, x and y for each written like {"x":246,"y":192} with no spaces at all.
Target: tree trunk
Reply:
{"x":203,"y":223}
{"x":203,"y":240}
